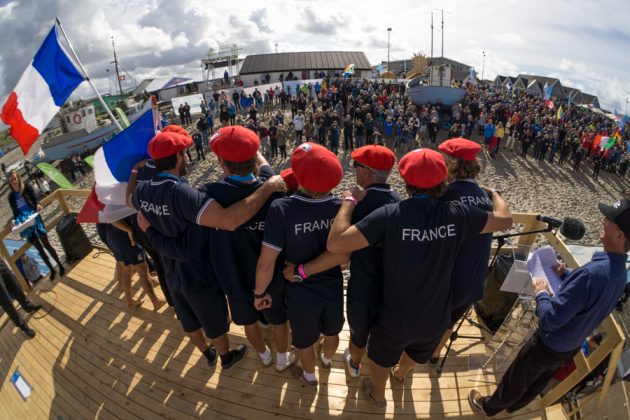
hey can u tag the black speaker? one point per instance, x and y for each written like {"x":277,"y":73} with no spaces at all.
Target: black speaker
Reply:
{"x":74,"y":241}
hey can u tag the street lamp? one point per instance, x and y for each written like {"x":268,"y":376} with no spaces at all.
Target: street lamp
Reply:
{"x":483,"y":64}
{"x":389,"y":31}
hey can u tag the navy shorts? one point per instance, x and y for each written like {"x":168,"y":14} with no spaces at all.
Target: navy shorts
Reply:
{"x":118,"y":241}
{"x":203,"y":308}
{"x":311,"y":316}
{"x":244,"y":313}
{"x":361,"y":317}
{"x":386,"y":350}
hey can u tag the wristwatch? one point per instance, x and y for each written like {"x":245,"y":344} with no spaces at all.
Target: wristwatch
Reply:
{"x":298,"y":274}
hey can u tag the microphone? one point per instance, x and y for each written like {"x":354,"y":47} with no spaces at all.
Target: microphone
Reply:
{"x":573,"y":229}
{"x":570,"y":227}
{"x":556,"y":223}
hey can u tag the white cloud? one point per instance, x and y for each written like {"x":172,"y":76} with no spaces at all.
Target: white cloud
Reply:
{"x":510,"y":38}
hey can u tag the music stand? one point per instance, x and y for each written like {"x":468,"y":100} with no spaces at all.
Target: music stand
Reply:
{"x":501,"y":241}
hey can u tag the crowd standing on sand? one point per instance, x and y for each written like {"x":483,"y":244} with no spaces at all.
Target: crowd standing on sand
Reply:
{"x":261,"y":249}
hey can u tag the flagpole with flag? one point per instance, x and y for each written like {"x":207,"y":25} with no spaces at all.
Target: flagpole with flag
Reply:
{"x":46,"y":83}
{"x":87,"y":77}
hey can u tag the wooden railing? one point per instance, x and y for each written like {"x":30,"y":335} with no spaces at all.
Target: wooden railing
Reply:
{"x":61,"y":198}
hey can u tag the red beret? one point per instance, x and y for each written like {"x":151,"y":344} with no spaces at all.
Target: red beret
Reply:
{"x":316,"y":168}
{"x":168,"y":143}
{"x":176,"y":129}
{"x":461,"y":148}
{"x":289,"y":179}
{"x":423,"y":168}
{"x":235,"y":143}
{"x":375,"y":157}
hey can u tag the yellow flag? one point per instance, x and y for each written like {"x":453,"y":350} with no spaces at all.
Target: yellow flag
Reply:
{"x":559,"y":115}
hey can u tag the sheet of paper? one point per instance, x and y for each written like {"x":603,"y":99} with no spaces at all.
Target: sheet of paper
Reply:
{"x":540,"y":264}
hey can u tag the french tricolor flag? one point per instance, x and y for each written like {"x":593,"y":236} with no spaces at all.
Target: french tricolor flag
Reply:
{"x":113,"y":163}
{"x":45,"y":85}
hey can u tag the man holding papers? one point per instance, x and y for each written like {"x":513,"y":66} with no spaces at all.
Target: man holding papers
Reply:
{"x":585,"y":297}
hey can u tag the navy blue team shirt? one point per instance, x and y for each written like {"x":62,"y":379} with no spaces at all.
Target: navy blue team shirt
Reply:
{"x":299,"y":226}
{"x":173,"y":208}
{"x":419,"y":238}
{"x":471,"y":266}
{"x":235,"y":254}
{"x":366,"y":265}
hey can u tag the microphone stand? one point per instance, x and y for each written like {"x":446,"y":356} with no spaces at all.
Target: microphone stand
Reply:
{"x":501,"y":241}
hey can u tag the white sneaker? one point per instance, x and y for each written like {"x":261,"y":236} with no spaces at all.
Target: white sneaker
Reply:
{"x":291,"y":359}
{"x":266,"y":361}
{"x":353,"y":372}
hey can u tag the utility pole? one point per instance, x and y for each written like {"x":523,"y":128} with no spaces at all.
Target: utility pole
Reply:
{"x":442,"y":33}
{"x":117,"y":72}
{"x":276,"y":48}
{"x":389,"y":31}
{"x":431,"y":67}
{"x":483,"y":64}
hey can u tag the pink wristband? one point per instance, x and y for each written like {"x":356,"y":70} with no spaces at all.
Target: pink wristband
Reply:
{"x":301,"y":271}
{"x":351,"y":199}
{"x":134,"y":171}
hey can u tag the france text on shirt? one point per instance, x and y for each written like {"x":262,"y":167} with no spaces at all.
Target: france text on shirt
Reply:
{"x":427,"y":235}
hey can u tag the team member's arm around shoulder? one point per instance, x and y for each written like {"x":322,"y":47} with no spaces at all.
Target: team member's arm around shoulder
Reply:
{"x":230,"y":218}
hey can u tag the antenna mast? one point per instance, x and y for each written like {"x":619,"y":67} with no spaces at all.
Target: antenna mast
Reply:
{"x":117,"y":71}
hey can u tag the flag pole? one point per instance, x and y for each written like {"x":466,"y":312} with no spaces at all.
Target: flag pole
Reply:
{"x":87,"y":78}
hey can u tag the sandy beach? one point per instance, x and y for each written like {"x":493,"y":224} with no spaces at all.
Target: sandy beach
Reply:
{"x":526,"y":184}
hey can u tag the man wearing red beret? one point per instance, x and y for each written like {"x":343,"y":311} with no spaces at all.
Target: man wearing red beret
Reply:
{"x":298,"y":226}
{"x":234,"y":254}
{"x":419,"y":238}
{"x":289,"y":179}
{"x":174,"y":210}
{"x":471,"y":266}
{"x":372,"y":166}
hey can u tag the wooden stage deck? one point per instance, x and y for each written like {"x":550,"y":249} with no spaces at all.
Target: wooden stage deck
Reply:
{"x":92,"y":358}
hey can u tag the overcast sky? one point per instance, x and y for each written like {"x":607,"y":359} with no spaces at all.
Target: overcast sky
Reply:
{"x":585,"y":44}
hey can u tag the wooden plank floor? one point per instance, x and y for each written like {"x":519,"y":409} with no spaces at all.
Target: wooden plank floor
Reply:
{"x":91,"y":358}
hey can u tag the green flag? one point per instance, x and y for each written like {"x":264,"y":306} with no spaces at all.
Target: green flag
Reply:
{"x":56,"y":176}
{"x":124,"y":122}
{"x":611,"y":142}
{"x":90,"y":161}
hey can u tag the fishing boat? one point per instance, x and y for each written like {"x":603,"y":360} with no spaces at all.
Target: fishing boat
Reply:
{"x":422,"y":93}
{"x":437,"y":87}
{"x":82,"y":131}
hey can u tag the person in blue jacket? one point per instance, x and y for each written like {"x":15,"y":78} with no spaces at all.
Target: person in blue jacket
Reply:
{"x":586,"y":296}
